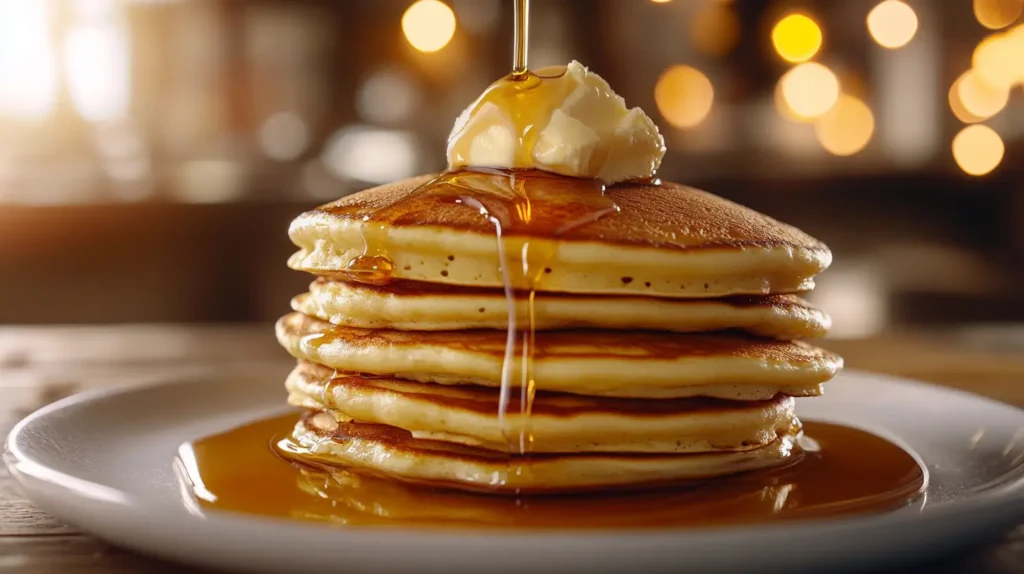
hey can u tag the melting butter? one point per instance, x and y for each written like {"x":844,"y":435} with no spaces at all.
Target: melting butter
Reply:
{"x":565,"y":120}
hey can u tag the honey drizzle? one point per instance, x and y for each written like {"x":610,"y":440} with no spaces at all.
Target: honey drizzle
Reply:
{"x":534,"y":261}
{"x":373,"y":266}
{"x":526,"y":101}
{"x":503,"y":197}
{"x":506,"y":198}
{"x":520,"y":53}
{"x":512,"y":330}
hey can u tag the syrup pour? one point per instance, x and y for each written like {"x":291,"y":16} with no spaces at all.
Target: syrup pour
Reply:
{"x":235,"y":470}
{"x":526,"y":100}
{"x":518,"y":203}
{"x":843,"y":471}
{"x":519,"y":54}
{"x":506,"y":199}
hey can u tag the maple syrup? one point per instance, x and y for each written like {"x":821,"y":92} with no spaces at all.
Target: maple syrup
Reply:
{"x":515,"y":202}
{"x":505,"y":198}
{"x":520,"y":52}
{"x":843,"y":471}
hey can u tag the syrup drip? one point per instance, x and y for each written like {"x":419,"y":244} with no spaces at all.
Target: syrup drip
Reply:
{"x":506,"y":199}
{"x":515,"y":202}
{"x":373,"y":266}
{"x":520,"y":51}
{"x":527,"y":101}
{"x":525,"y":96}
{"x":843,"y":471}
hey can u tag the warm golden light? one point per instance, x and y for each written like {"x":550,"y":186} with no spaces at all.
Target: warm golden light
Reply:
{"x":999,"y":58}
{"x":661,"y":1}
{"x":716,"y":29}
{"x":846,"y":128}
{"x":782,"y":107}
{"x":980,"y":98}
{"x":809,"y":90}
{"x":29,"y":85}
{"x":684,"y":96}
{"x":892,"y":24}
{"x":956,"y":104}
{"x":996,"y":14}
{"x":98,"y":71}
{"x":796,"y":37}
{"x":978,"y":149}
{"x":428,"y":25}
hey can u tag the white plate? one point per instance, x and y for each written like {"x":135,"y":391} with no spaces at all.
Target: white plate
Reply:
{"x":103,"y":461}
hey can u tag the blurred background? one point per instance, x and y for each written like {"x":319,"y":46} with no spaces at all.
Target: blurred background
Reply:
{"x":152,"y":152}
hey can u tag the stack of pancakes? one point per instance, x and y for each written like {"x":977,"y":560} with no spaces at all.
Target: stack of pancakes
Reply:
{"x":665,"y":344}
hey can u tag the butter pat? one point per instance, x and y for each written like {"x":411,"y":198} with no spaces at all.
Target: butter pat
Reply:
{"x":562,"y":120}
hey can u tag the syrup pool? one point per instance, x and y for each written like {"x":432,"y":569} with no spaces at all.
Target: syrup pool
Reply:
{"x":842,"y":471}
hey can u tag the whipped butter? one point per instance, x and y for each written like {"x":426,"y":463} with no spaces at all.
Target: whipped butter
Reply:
{"x":565,"y":120}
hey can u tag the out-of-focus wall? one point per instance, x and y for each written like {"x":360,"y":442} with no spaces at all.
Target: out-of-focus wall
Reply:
{"x":152,"y":152}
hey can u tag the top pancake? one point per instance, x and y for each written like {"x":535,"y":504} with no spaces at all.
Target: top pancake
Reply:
{"x":560,"y":235}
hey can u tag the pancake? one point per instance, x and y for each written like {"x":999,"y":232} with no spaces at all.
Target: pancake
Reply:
{"x":320,"y":440}
{"x":558,"y":423}
{"x":431,"y":307}
{"x":640,"y":364}
{"x":560,"y":235}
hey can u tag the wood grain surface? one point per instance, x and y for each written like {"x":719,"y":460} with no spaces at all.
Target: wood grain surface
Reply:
{"x":39,"y":365}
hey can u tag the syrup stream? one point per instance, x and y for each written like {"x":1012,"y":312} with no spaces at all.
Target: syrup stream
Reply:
{"x":505,"y":198}
{"x":520,"y":54}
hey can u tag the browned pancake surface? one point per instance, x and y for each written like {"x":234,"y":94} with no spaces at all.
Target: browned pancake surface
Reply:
{"x":662,"y":215}
{"x":484,"y":400}
{"x":569,"y":343}
{"x":407,"y":288}
{"x":326,"y":427}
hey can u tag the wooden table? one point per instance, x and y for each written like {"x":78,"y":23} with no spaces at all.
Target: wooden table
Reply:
{"x":39,"y":365}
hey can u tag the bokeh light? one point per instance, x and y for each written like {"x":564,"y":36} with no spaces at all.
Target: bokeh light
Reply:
{"x":366,"y":154}
{"x":716,"y":29}
{"x":796,"y":37}
{"x":98,"y":71}
{"x":208,"y":181}
{"x":999,"y":58}
{"x":956,"y":104}
{"x":892,"y":24}
{"x":284,"y":136}
{"x":781,"y":107}
{"x":846,"y":128}
{"x":980,"y":98}
{"x":978,"y":149}
{"x":684,"y":96}
{"x":809,"y":90}
{"x":28,"y":66}
{"x":428,"y":25}
{"x":996,"y":14}
{"x":387,"y":96}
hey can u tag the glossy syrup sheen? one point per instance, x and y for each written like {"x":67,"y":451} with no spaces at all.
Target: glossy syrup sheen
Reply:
{"x":845,"y":472}
{"x":527,"y":103}
{"x":513,"y":201}
{"x":565,"y":344}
